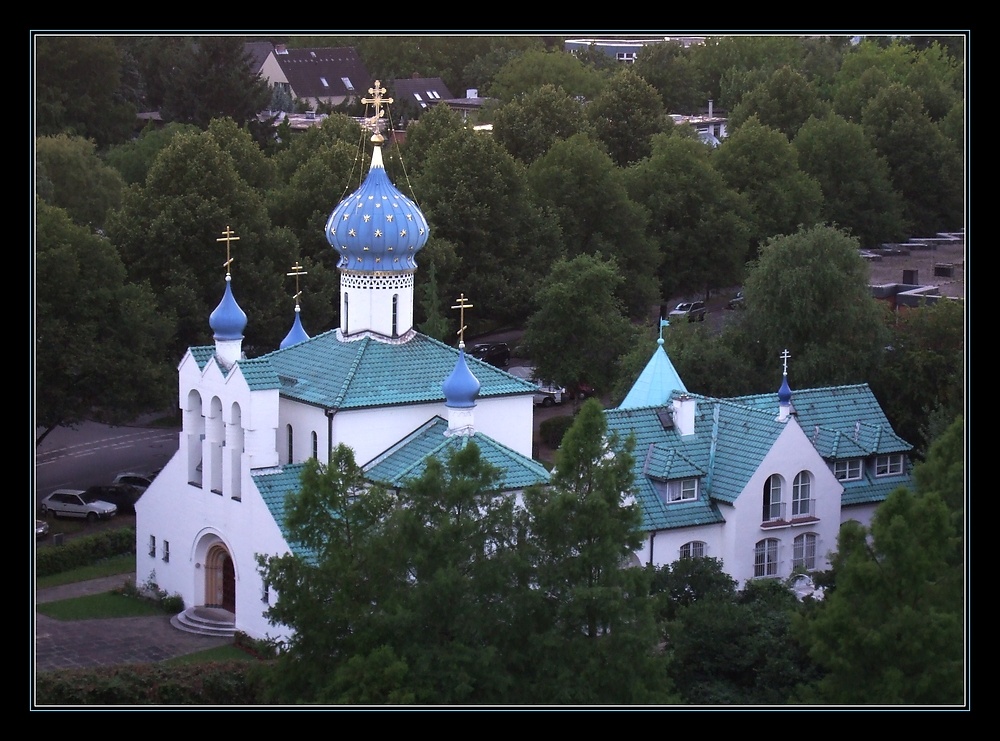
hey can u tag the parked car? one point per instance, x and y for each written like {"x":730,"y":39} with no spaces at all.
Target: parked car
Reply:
{"x":737,"y":301}
{"x":41,"y":529}
{"x":580,"y":390}
{"x":547,"y":394}
{"x":494,"y":353}
{"x":123,"y":496}
{"x":77,"y":503}
{"x":140,"y":481}
{"x":694,"y":311}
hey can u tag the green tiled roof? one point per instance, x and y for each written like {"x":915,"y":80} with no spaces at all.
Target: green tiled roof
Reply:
{"x":852,"y":411}
{"x":408,"y":458}
{"x":202,"y":354}
{"x":274,"y":486}
{"x":731,"y":438}
{"x":332,"y":373}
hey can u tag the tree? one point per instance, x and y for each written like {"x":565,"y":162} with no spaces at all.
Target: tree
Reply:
{"x":594,"y":636}
{"x":730,"y":66}
{"x":535,"y":68}
{"x":528,"y":125}
{"x":921,"y":377}
{"x":701,"y":225}
{"x":70,"y":175}
{"x":808,"y":293}
{"x":572,"y":339}
{"x":890,"y":632}
{"x":858,"y":194}
{"x":582,"y":186}
{"x":760,"y":163}
{"x":94,"y":333}
{"x":214,"y":79}
{"x":77,"y":82}
{"x":667,"y":66}
{"x":133,"y":159}
{"x":785,"y":101}
{"x":625,"y":116}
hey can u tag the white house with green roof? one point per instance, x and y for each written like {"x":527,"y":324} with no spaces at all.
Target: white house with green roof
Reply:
{"x":395,"y":396}
{"x":760,"y":482}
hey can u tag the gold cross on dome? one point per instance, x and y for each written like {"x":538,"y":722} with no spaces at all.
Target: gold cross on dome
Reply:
{"x":377,"y":92}
{"x":785,"y":355}
{"x":227,"y":237}
{"x":462,"y":305}
{"x":297,"y":270}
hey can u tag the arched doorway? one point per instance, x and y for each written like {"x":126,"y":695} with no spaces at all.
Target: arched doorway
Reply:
{"x":220,"y":579}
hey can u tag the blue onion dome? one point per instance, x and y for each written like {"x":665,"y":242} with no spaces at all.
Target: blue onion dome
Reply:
{"x":784,"y":393}
{"x":228,"y":320}
{"x":377,"y":228}
{"x":296,"y":334}
{"x":461,"y":387}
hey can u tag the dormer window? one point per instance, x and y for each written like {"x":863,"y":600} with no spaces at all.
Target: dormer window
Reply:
{"x":679,"y":490}
{"x":889,"y":465}
{"x":849,"y":470}
{"x":324,"y":82}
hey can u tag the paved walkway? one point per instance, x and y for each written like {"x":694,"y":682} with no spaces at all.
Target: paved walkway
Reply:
{"x":88,"y":643}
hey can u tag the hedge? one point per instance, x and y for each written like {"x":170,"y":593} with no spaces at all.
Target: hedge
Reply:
{"x":85,"y":550}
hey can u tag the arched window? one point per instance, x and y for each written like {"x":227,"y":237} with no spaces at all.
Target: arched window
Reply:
{"x":772,"y":509}
{"x":765,"y":558}
{"x":345,"y":324}
{"x":395,"y":314}
{"x":801,"y":499}
{"x":694,"y":549}
{"x":289,"y":429}
{"x":804,"y":552}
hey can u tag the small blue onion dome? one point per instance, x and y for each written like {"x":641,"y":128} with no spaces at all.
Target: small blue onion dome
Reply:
{"x":228,"y":320}
{"x":784,"y":393}
{"x":461,"y":387}
{"x":296,"y":334}
{"x":377,"y":228}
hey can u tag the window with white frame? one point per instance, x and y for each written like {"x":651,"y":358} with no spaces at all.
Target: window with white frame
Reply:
{"x":265,"y":591}
{"x":680,"y":490}
{"x":765,"y":558}
{"x":694,"y":549}
{"x":801,"y":490}
{"x":772,"y":509}
{"x":166,"y":550}
{"x":889,"y":465}
{"x":804,"y":552}
{"x":288,"y":429}
{"x":315,"y":442}
{"x":152,"y":545}
{"x":849,"y":470}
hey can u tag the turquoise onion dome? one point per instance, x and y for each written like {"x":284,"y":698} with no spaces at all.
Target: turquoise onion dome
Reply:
{"x":228,"y":320}
{"x":461,"y":387}
{"x":296,"y":334}
{"x":377,"y":228}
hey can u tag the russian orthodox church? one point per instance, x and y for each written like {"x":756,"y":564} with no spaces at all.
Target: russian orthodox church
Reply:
{"x":394,"y":395}
{"x":761,"y":482}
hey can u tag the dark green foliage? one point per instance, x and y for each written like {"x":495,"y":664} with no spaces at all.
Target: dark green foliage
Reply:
{"x":71,"y":176}
{"x":215,"y":684}
{"x":87,"y":549}
{"x":553,"y":429}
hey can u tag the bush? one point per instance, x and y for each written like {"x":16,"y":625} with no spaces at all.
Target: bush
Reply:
{"x":83,"y":551}
{"x":552,"y":430}
{"x":215,"y":683}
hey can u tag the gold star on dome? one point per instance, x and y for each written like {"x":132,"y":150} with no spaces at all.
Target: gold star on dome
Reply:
{"x":388,"y":217}
{"x":368,"y":218}
{"x":402,"y":232}
{"x":352,"y":232}
{"x":345,"y":216}
{"x":378,"y":232}
{"x":409,"y":217}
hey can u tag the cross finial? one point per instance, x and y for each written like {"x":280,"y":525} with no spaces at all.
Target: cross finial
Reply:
{"x":227,"y":237}
{"x":297,"y":270}
{"x":785,"y":355}
{"x":376,"y":92}
{"x":462,"y":305}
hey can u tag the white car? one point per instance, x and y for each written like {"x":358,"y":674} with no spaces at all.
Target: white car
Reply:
{"x":140,"y":481}
{"x":77,"y":503}
{"x":548,"y":393}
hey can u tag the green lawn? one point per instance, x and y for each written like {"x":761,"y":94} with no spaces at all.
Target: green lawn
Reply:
{"x":93,"y":606}
{"x":108,"y":567}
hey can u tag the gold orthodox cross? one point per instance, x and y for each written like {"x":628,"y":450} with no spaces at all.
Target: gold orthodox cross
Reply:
{"x":462,"y":305}
{"x":297,"y":271}
{"x":377,"y":92}
{"x":784,"y":357}
{"x":227,"y":237}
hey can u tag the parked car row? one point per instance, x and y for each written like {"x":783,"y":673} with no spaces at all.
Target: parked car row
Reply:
{"x":98,"y":502}
{"x":548,"y":393}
